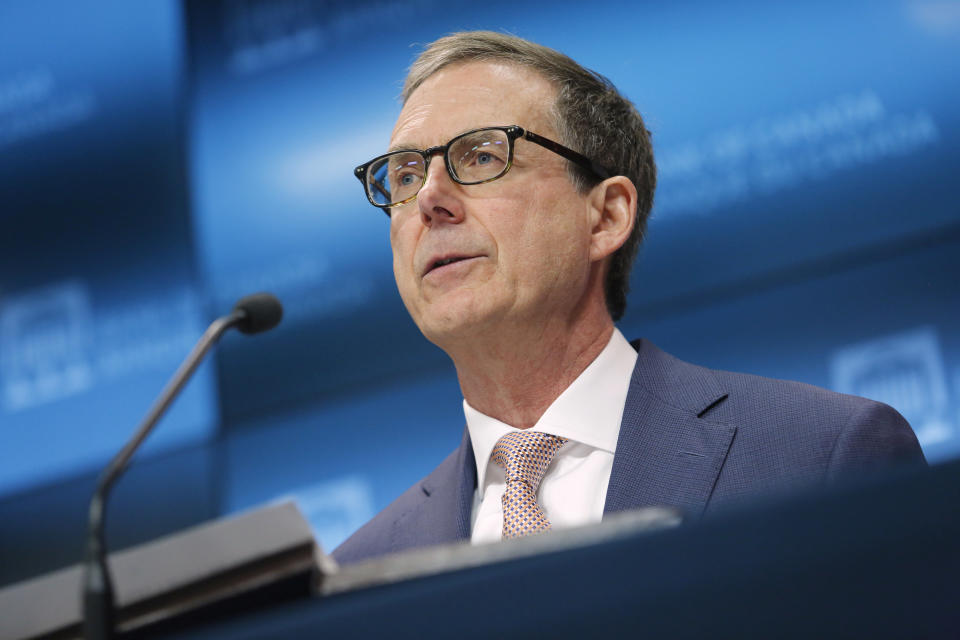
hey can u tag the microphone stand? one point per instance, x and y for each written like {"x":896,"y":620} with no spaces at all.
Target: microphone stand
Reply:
{"x":98,"y":596}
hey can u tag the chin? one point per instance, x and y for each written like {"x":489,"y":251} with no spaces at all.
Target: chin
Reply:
{"x":448,"y":326}
{"x":449,"y":322}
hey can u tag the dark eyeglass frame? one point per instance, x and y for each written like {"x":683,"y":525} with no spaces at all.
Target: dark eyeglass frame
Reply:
{"x":512,"y":132}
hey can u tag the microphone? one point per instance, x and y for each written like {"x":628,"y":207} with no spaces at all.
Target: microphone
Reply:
{"x":262,"y":313}
{"x":253,"y":314}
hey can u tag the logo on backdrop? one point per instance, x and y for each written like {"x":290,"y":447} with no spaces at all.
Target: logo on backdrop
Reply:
{"x":46,"y":339}
{"x":55,"y":344}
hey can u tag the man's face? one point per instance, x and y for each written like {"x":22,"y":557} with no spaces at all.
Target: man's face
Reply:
{"x":521,"y":243}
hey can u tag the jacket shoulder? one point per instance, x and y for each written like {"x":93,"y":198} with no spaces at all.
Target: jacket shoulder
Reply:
{"x":797,"y":432}
{"x":787,"y":433}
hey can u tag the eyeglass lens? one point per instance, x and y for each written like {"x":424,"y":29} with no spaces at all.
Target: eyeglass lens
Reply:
{"x":474,"y":157}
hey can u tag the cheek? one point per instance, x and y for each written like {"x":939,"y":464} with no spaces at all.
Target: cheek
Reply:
{"x":402,"y":243}
{"x":554,"y":237}
{"x":405,"y":281}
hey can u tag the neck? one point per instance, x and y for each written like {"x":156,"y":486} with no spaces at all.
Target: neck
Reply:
{"x":515,"y":374}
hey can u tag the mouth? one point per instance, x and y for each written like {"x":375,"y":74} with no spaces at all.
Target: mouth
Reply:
{"x":443,"y":261}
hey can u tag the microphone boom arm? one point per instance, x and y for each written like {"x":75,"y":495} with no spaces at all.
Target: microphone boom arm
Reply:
{"x":98,"y":596}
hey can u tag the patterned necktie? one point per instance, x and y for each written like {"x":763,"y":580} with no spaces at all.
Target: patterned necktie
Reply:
{"x":524,"y":457}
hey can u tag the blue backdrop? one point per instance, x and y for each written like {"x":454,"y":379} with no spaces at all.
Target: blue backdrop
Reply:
{"x":158,"y":160}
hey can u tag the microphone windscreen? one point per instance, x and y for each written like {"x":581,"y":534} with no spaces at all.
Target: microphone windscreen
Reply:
{"x":262,"y":312}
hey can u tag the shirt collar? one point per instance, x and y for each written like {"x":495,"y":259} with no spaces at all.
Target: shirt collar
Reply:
{"x":589,"y":411}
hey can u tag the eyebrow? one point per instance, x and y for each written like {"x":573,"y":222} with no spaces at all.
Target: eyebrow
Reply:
{"x":403,"y":146}
{"x":406,"y":146}
{"x":409,"y":146}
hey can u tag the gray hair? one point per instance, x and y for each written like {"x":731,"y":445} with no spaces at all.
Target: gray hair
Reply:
{"x":590,"y":115}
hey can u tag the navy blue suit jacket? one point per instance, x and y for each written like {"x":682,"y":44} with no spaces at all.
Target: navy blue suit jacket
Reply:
{"x":691,"y":437}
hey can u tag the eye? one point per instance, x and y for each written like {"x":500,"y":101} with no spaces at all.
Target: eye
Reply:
{"x":485,"y":154}
{"x":480,"y":155}
{"x":406,"y":173}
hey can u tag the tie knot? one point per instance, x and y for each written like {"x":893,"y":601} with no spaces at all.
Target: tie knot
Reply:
{"x":525,"y":455}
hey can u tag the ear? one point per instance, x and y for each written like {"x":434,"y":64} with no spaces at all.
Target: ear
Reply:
{"x":613,"y":205}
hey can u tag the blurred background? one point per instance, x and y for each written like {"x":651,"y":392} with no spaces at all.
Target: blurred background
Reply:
{"x":160,"y":159}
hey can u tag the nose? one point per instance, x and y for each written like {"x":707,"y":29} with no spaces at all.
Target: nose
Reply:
{"x":439,"y":199}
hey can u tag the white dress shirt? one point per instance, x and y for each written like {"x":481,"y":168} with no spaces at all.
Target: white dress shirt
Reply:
{"x":588,"y":414}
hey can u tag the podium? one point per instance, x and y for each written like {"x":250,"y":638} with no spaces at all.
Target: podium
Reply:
{"x":879,"y":559}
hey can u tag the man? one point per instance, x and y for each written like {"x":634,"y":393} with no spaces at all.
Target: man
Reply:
{"x":518,"y":187}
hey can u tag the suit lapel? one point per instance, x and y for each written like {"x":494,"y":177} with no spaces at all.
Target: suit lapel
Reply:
{"x":668,"y":453}
{"x":442,"y":513}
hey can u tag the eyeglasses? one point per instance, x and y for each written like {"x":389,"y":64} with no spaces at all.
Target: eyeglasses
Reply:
{"x":474,"y":157}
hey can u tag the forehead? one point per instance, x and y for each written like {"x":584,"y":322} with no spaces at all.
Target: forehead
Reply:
{"x":465,"y":96}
